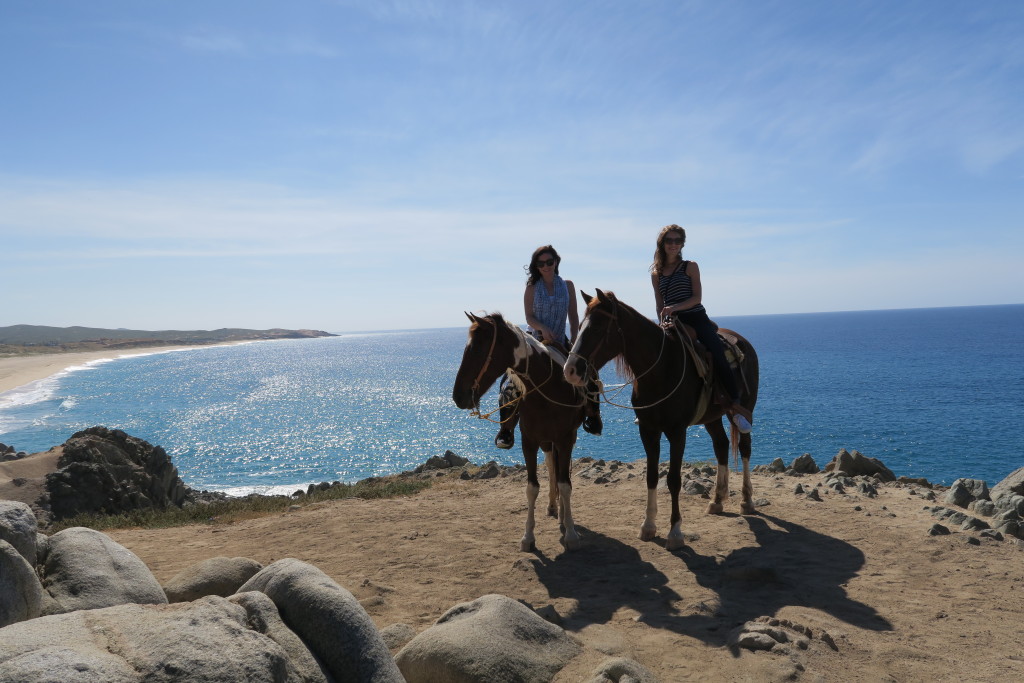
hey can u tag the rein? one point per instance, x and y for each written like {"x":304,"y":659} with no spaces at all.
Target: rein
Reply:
{"x":614,"y":315}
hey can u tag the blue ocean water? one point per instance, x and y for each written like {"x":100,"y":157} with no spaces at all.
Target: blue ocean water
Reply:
{"x":936,"y":393}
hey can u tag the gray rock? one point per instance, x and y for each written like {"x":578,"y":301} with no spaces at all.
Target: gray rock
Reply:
{"x":21,"y":595}
{"x":328,"y":619}
{"x":867,"y":489}
{"x":107,"y":471}
{"x":85,"y":569}
{"x":208,"y":641}
{"x":1010,"y":501}
{"x":492,"y":638}
{"x":397,"y":635}
{"x":264,"y":618}
{"x":216,"y":576}
{"x":777,"y":465}
{"x":966,"y":491}
{"x":488,"y":471}
{"x":854,"y":463}
{"x":620,"y":670}
{"x":983,"y":507}
{"x":804,"y":464}
{"x":973,"y":524}
{"x":19,"y":528}
{"x":455,"y":460}
{"x":1013,"y":484}
{"x":814,"y":495}
{"x":938,"y":530}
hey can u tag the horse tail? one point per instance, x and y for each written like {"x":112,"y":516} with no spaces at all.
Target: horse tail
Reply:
{"x":734,"y":445}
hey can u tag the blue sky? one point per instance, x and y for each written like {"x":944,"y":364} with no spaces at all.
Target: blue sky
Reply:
{"x":349,"y":165}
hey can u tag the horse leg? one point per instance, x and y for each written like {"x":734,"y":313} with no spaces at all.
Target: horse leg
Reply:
{"x":563,"y":458}
{"x":720,"y":442}
{"x":651,"y":439}
{"x":677,"y":445}
{"x":528,"y":543}
{"x":549,"y":462}
{"x":747,"y":507}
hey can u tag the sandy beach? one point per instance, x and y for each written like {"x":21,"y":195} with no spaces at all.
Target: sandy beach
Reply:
{"x":17,"y":371}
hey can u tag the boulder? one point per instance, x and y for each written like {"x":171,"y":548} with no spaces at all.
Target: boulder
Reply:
{"x":85,"y":569}
{"x":106,"y":471}
{"x":221,"y":576}
{"x":21,"y":595}
{"x":854,"y":463}
{"x":207,"y":641}
{"x":804,"y":464}
{"x":1013,"y":484}
{"x":620,"y":670}
{"x":19,"y":528}
{"x":329,"y":620}
{"x":264,"y":618}
{"x":492,"y":638}
{"x":963,"y":492}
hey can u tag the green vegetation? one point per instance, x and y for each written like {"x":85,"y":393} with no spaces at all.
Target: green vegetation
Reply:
{"x":237,"y":509}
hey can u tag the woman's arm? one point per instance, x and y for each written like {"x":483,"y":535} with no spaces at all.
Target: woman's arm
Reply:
{"x":574,"y":316}
{"x":659,"y":303}
{"x":694,"y":272}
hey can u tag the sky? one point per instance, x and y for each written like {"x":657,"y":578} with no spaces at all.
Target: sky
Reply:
{"x":352,"y":165}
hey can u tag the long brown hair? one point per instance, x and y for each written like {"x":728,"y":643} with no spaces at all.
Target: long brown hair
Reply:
{"x":533,"y":270}
{"x":659,"y":253}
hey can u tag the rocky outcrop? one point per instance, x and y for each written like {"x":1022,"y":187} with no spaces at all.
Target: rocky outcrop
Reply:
{"x":18,"y":527}
{"x":21,"y":596}
{"x":492,"y":638}
{"x":10,"y":453}
{"x":853,"y":463}
{"x":107,"y":471}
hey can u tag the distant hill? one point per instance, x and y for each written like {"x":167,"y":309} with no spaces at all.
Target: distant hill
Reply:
{"x":33,"y":339}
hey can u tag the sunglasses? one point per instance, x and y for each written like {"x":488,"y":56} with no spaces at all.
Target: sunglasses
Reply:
{"x":544,"y":263}
{"x":674,"y":240}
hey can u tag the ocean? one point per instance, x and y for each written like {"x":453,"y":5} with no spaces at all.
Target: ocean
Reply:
{"x":935,"y":393}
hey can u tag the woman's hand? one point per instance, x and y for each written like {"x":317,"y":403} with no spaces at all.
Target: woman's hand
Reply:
{"x":667,"y":312}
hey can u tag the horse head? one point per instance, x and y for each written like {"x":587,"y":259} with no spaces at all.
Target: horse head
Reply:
{"x":599,"y":339}
{"x":487,"y":355}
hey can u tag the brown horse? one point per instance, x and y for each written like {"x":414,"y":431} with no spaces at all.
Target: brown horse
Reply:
{"x":550,"y":410}
{"x":666,"y":398}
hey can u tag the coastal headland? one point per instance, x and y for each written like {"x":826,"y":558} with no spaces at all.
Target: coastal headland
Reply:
{"x":855,"y":580}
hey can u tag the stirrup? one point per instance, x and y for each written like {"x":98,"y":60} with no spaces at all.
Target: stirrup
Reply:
{"x":592,"y":425}
{"x":741,"y":423}
{"x":504,"y":439}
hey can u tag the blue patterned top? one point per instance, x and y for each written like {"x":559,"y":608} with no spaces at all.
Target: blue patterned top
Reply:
{"x":551,"y":310}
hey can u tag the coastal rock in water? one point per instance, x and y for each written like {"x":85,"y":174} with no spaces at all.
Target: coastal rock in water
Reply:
{"x":965,"y":491}
{"x":492,"y":638}
{"x":208,"y":641}
{"x":19,"y":528}
{"x":21,"y":596}
{"x":107,"y":471}
{"x":329,"y":620}
{"x":221,"y":576}
{"x":85,"y":569}
{"x":1013,"y":484}
{"x":854,"y":463}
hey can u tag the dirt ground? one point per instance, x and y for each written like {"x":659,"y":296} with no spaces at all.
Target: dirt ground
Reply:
{"x":899,"y":604}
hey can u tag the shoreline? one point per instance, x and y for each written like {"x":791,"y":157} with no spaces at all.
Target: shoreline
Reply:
{"x":19,"y":371}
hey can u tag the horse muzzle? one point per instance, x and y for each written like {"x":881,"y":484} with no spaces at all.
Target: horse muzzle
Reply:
{"x":575,"y":370}
{"x":464,"y":399}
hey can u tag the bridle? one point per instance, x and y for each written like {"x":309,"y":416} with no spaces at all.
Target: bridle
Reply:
{"x":614,"y":315}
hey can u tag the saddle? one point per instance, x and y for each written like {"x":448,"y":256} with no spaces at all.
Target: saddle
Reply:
{"x":705,"y":366}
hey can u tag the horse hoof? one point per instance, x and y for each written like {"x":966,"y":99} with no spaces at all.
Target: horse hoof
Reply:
{"x":748,"y":508}
{"x":675,"y":543}
{"x":527,"y":546}
{"x":714,"y":509}
{"x":553,"y":511}
{"x":648,"y":534}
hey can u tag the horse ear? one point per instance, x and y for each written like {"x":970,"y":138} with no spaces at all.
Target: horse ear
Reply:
{"x":586,"y":297}
{"x":470,"y":316}
{"x":600,"y":294}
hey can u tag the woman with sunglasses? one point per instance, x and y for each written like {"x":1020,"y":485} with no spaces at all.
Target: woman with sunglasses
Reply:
{"x":677,"y":293}
{"x":549,"y":302}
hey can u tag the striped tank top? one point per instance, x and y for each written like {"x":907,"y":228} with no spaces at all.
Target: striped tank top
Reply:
{"x":551,"y":309}
{"x":677,"y":287}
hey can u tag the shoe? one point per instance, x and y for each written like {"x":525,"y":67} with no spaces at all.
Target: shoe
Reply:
{"x":505,"y":439}
{"x":741,"y":423}
{"x":592,"y":425}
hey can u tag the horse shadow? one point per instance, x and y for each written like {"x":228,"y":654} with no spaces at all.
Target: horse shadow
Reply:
{"x":790,"y":565}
